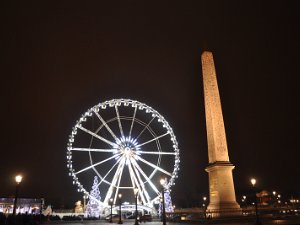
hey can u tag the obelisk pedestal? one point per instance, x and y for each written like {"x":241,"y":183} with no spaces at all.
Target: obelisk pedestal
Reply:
{"x":221,"y":190}
{"x":221,"y":187}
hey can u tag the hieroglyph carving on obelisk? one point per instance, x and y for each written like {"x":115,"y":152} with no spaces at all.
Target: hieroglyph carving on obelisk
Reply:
{"x":221,"y":187}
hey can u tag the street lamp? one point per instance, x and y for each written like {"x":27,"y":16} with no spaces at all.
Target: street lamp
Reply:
{"x":136,"y":190}
{"x":85,"y":197}
{"x":41,"y":209}
{"x":253,"y":182}
{"x":204,"y":206}
{"x":111,"y":205}
{"x":244,"y":197}
{"x":120,"y":214}
{"x":274,"y":198}
{"x":18,"y":179}
{"x":162,"y":182}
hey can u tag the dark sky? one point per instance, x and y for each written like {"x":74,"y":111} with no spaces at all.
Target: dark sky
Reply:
{"x":60,"y":58}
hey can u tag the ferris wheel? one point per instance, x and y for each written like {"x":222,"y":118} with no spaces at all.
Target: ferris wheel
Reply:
{"x":128,"y":145}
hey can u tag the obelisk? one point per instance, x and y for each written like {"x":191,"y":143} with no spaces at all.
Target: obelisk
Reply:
{"x":221,"y":187}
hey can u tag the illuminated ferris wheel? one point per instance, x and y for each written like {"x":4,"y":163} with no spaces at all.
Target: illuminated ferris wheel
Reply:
{"x":128,"y":146}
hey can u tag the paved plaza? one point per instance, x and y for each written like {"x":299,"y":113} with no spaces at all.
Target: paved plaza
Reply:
{"x":293,"y":221}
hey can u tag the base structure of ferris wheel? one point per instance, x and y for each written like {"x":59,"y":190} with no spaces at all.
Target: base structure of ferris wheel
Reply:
{"x":128,"y":210}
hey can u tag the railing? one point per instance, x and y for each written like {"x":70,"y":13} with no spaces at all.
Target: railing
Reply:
{"x":195,"y":214}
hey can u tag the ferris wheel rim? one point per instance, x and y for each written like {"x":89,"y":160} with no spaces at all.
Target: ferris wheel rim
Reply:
{"x":116,"y":103}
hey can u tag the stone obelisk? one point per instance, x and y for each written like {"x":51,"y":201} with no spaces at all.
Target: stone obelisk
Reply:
{"x":221,"y":187}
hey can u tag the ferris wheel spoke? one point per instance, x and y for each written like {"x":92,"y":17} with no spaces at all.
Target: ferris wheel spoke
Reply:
{"x":157,"y":153}
{"x":146,"y":177}
{"x":145,"y":128}
{"x":103,"y":178}
{"x":97,"y":136}
{"x":119,"y":180}
{"x":136,"y":169}
{"x":106,"y":126}
{"x":132,"y":122}
{"x":98,"y":174}
{"x":131,"y":177}
{"x":96,"y":164}
{"x":136,"y":181}
{"x":119,"y":121}
{"x":154,"y":166}
{"x":156,"y":138}
{"x":113,"y":182}
{"x":93,"y":150}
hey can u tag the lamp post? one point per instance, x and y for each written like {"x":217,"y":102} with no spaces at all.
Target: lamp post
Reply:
{"x":204,"y":206}
{"x":274,"y":198}
{"x":162,"y":182}
{"x":136,"y":190}
{"x":244,"y":200}
{"x":120,"y":205}
{"x":253,"y":182}
{"x":18,"y":179}
{"x":111,"y":205}
{"x":85,"y":197}
{"x":41,"y":209}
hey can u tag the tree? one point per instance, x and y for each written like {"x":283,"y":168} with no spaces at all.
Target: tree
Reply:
{"x":93,"y":206}
{"x":168,"y":200}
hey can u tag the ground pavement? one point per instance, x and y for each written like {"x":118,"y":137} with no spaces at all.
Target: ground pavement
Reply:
{"x":294,"y":221}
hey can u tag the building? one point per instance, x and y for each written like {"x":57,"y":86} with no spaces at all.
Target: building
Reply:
{"x":24,"y":205}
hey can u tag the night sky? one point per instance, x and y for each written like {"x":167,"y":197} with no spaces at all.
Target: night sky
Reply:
{"x":60,"y":58}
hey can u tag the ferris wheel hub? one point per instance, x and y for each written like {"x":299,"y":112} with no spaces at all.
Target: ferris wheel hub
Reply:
{"x":128,"y":152}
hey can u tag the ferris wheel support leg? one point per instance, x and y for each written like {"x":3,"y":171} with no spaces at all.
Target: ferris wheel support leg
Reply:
{"x":113,"y":184}
{"x":138,"y":184}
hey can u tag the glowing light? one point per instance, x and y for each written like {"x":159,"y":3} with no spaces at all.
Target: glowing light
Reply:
{"x":253,"y":181}
{"x":162,"y":181}
{"x":18,"y":179}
